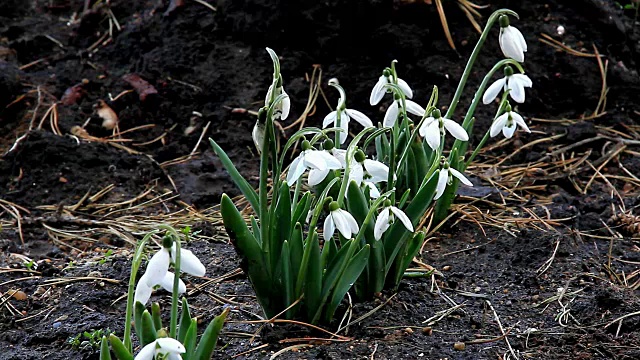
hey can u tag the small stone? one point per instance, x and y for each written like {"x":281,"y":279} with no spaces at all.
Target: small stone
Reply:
{"x":459,"y":346}
{"x":57,"y":324}
{"x":446,"y":268}
{"x":427,"y":330}
{"x":19,"y":295}
{"x":408,"y":330}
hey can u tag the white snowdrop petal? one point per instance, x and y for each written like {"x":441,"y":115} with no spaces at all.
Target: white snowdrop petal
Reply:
{"x":519,"y":38}
{"x":406,"y":89}
{"x":378,"y":91}
{"x":391,"y":116}
{"x":171,"y":345}
{"x":329,"y":119}
{"x":328,"y":229}
{"x":314,"y":159}
{"x":463,"y":179}
{"x":498,"y":124}
{"x":517,"y":90}
{"x":330,"y":161}
{"x":414,"y":108}
{"x":172,"y":356}
{"x":382,"y":224}
{"x":509,"y":130}
{"x":456,"y":130}
{"x":286,"y":106}
{"x":402,"y":217}
{"x":143,"y":291}
{"x":377,"y":170}
{"x":356,"y":172}
{"x":296,"y":169}
{"x":344,"y":125}
{"x":361,"y":118}
{"x":341,"y":156}
{"x":353,"y":224}
{"x":425,"y":125}
{"x":443,"y":178}
{"x":520,"y":121}
{"x":157,"y":267}
{"x":317,"y":175}
{"x":167,"y":283}
{"x":189,"y":263}
{"x":374,"y":193}
{"x":522,"y":79}
{"x":493,"y":90}
{"x":510,"y":45}
{"x":267,"y":97}
{"x":147,"y":352}
{"x":341,"y":223}
{"x":433,"y":135}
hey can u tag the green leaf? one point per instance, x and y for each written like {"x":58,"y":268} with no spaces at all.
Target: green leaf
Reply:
{"x":255,"y":229}
{"x":287,"y":282}
{"x":411,"y":170}
{"x":105,"y":353}
{"x":209,"y":338}
{"x":313,"y":283}
{"x":251,"y":255}
{"x":333,"y":273}
{"x":296,"y":250}
{"x":190,"y":338}
{"x":404,"y":259}
{"x":137,"y":318}
{"x":246,"y":188}
{"x":119,"y":348}
{"x":185,"y":321}
{"x":329,"y":252}
{"x":395,"y":237}
{"x":155,"y":315}
{"x":302,"y":209}
{"x":348,"y":278}
{"x":281,"y":223}
{"x":148,"y":329}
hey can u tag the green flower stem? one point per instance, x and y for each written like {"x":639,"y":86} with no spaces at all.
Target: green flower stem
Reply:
{"x":135,"y":265}
{"x":173,"y":326}
{"x":351,"y":150}
{"x":342,"y":104}
{"x":296,"y":193}
{"x":472,"y":59}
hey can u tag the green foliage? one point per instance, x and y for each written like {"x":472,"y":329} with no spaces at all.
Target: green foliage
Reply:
{"x":88,"y":340}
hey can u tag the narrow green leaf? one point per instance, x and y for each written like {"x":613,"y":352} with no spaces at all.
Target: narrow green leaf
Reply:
{"x":302,"y":209}
{"x":281,"y":223}
{"x":255,"y":229}
{"x":119,"y":349}
{"x":404,"y":259}
{"x":252,"y":258}
{"x":190,"y":338}
{"x":421,"y":160}
{"x":185,"y":321}
{"x":105,"y":353}
{"x":244,"y":186}
{"x":209,"y":338}
{"x":348,"y":278}
{"x":395,"y":237}
{"x":296,"y":250}
{"x":313,"y":283}
{"x":411,"y":170}
{"x":155,"y":315}
{"x":148,"y":329}
{"x":329,"y":252}
{"x":137,"y":318}
{"x":287,"y":282}
{"x":333,"y":273}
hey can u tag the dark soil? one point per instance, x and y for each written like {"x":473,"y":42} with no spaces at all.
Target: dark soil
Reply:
{"x":203,"y":64}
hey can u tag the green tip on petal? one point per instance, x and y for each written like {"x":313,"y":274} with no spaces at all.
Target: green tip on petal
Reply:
{"x":504,"y":21}
{"x":167,"y":242}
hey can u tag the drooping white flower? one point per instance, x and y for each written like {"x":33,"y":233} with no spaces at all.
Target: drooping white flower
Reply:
{"x":512,"y":42}
{"x":393,"y":111}
{"x":158,"y":274}
{"x":434,"y":127}
{"x":283,"y":107}
{"x":257,"y":134}
{"x":513,"y":82}
{"x":386,"y":218}
{"x":168,"y":347}
{"x":367,"y":172}
{"x":379,"y":89}
{"x":345,"y":117}
{"x":341,"y":220}
{"x":445,"y":178}
{"x":507,"y":124}
{"x":319,"y":163}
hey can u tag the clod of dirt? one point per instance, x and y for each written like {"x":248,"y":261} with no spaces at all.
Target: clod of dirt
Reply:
{"x":9,"y":81}
{"x":142,"y":87}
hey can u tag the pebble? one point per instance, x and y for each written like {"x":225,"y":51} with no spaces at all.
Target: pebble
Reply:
{"x":459,"y":346}
{"x":427,"y":330}
{"x":408,"y":330}
{"x":446,"y":268}
{"x":57,"y":324}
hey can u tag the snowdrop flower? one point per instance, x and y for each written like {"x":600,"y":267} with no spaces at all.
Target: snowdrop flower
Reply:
{"x":511,"y":40}
{"x":319,"y":163}
{"x":380,"y":88}
{"x":393,"y":111}
{"x":157,"y":272}
{"x":345,"y":117}
{"x":513,"y":82}
{"x":284,"y":106}
{"x":507,"y":123}
{"x":367,"y":172}
{"x":341,"y":220}
{"x":168,"y":347}
{"x":386,"y":218}
{"x":434,"y":127}
{"x":445,"y":178}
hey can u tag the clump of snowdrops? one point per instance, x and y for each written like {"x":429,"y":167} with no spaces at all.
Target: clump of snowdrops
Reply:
{"x":179,"y":340}
{"x":298,"y":264}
